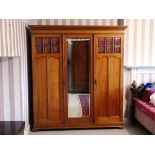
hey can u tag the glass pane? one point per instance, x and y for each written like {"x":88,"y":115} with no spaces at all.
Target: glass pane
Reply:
{"x":39,"y":44}
{"x":47,"y":45}
{"x":117,"y":41}
{"x":101,"y":41}
{"x":55,"y":45}
{"x":117,"y":49}
{"x":78,"y":78}
{"x":101,"y":49}
{"x":109,"y":49}
{"x":109,"y":41}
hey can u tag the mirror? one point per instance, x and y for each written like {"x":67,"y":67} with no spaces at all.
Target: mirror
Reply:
{"x":78,"y":77}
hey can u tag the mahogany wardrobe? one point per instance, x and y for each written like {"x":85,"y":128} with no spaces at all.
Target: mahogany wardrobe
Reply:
{"x":77,"y":76}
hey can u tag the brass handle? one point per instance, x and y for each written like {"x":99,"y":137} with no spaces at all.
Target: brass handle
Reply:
{"x":95,"y":82}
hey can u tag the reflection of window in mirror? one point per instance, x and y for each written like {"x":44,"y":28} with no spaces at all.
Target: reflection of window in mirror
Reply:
{"x":78,"y":78}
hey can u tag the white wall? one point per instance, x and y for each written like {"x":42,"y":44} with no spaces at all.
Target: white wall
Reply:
{"x":11,"y":37}
{"x":10,"y":90}
{"x":139,"y":54}
{"x":140,"y":42}
{"x":74,"y":22}
{"x":13,"y":71}
{"x":140,"y":49}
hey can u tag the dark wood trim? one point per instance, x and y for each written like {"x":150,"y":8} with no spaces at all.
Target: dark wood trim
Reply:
{"x":30,"y":81}
{"x":78,"y":126}
{"x":75,"y":27}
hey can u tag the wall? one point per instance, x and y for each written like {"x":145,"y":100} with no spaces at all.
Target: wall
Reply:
{"x":10,"y":37}
{"x":10,"y":90}
{"x":139,"y":42}
{"x":13,"y":71}
{"x":140,"y":48}
{"x":74,"y":21}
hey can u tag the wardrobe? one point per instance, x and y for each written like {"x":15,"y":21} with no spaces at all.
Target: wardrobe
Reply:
{"x":77,"y":76}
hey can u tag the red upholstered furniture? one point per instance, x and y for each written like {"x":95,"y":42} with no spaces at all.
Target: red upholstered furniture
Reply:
{"x":142,"y":110}
{"x":145,"y":114}
{"x":145,"y":107}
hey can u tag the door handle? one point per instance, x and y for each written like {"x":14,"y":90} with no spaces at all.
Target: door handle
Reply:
{"x":95,"y":82}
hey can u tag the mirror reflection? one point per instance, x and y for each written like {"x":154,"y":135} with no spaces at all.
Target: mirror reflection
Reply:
{"x":78,"y":78}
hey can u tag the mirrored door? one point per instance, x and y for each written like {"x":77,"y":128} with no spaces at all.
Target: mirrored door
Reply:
{"x":78,"y":78}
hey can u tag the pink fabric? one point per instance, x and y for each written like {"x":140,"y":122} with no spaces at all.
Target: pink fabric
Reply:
{"x":146,"y":108}
{"x":147,"y":94}
{"x":84,"y":99}
{"x":145,"y":120}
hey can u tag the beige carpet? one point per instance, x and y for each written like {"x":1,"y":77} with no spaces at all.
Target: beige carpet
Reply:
{"x":129,"y":129}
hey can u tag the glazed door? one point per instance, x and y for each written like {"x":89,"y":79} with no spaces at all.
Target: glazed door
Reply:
{"x":108,"y":60}
{"x":47,"y":80}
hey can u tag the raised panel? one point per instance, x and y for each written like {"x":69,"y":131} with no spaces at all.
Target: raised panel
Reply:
{"x":41,"y":88}
{"x":101,"y":88}
{"x":114,"y":86}
{"x":54,"y":104}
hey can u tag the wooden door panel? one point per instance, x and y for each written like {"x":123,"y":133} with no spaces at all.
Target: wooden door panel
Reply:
{"x":114,"y":86}
{"x":101,"y":88}
{"x":54,"y":104}
{"x":107,"y":120}
{"x":41,"y":88}
{"x":108,"y":76}
{"x":47,"y":72}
